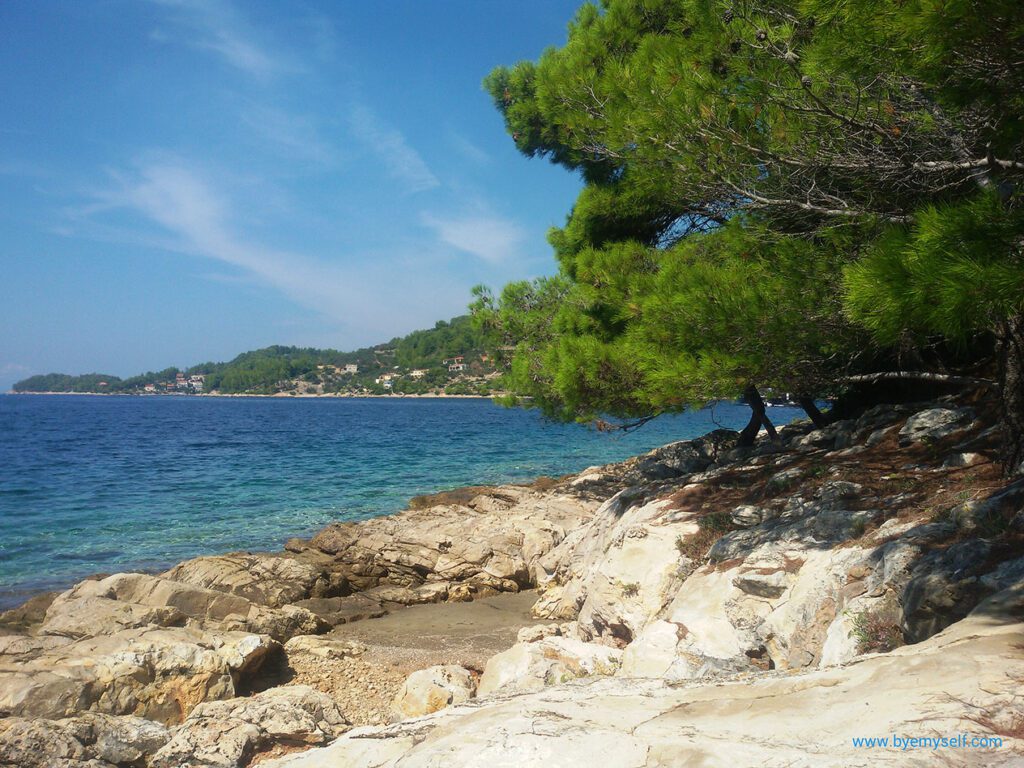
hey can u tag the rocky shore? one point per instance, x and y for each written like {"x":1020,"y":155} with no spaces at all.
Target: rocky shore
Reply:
{"x":702,"y":604}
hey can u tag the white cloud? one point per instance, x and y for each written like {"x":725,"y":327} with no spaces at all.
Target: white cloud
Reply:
{"x":469,"y":150}
{"x":295,"y":135}
{"x":402,"y":162}
{"x":369,"y":296}
{"x":216,"y":26}
{"x":485,"y":236}
{"x":186,"y":206}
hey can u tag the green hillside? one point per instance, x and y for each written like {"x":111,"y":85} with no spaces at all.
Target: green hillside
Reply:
{"x":308,"y":370}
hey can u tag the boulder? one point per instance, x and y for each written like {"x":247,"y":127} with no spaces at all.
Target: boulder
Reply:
{"x":458,"y":548}
{"x":935,"y":424}
{"x":537,"y":632}
{"x":42,"y":744}
{"x":654,"y":652}
{"x":156,"y":673}
{"x":324,"y":647}
{"x":429,"y":690}
{"x":640,"y":572}
{"x":91,"y":616}
{"x":968,"y":459}
{"x":747,"y":516}
{"x":131,"y":600}
{"x":616,"y":574}
{"x":28,"y":614}
{"x":944,"y":587}
{"x":553,"y":660}
{"x":271,"y":580}
{"x":89,"y":741}
{"x":226,"y":734}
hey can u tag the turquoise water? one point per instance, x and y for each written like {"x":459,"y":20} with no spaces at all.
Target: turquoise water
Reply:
{"x":102,"y":484}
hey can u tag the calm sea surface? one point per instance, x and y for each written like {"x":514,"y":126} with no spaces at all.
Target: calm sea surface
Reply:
{"x":104,"y":484}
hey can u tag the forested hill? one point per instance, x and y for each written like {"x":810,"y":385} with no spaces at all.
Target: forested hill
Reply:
{"x":306,"y":370}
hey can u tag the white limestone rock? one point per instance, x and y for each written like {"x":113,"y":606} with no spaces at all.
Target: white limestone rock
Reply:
{"x":551,"y":661}
{"x":428,"y":690}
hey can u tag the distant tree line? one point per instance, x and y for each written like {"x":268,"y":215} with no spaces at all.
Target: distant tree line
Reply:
{"x":263,"y":371}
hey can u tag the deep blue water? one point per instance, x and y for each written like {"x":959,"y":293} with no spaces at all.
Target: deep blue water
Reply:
{"x":102,"y":484}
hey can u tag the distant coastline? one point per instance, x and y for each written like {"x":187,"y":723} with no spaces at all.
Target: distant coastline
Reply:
{"x":277,"y":396}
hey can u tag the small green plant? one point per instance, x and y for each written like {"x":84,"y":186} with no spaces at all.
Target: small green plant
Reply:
{"x":875,"y":632}
{"x":631,"y":589}
{"x":857,"y":527}
{"x":710,"y":529}
{"x":784,"y":481}
{"x":940,"y":515}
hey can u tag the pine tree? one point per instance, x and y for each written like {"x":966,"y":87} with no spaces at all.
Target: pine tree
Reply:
{"x":883,"y":137}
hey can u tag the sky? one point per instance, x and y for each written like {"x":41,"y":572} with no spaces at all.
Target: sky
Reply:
{"x":185,"y":180}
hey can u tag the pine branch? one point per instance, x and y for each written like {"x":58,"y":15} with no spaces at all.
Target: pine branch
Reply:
{"x":942,"y":378}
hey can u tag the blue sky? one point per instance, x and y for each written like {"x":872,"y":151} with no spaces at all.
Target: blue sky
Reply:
{"x":183,"y":180}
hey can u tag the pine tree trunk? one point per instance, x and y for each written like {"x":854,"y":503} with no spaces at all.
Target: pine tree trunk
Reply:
{"x":767,"y":423}
{"x":749,"y":432}
{"x":817,"y":417}
{"x":758,"y":417}
{"x":1011,"y":382}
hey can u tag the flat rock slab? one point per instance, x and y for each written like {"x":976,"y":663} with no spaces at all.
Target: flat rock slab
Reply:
{"x":344,"y":610}
{"x":802,"y":720}
{"x":457,"y":633}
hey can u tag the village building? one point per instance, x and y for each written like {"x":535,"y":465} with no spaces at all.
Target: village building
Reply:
{"x":455,"y":364}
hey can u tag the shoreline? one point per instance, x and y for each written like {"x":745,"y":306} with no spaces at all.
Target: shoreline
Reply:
{"x":278,"y":396}
{"x":495,"y":597}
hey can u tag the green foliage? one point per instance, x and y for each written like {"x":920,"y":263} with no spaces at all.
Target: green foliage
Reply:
{"x":956,"y":271}
{"x":644,"y":330}
{"x":630,"y":589}
{"x":61,"y":382}
{"x":268,"y":370}
{"x":776,"y":193}
{"x":876,"y":632}
{"x":710,"y":528}
{"x":426,"y":349}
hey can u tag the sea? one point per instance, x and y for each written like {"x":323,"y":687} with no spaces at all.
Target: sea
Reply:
{"x":100,"y":484}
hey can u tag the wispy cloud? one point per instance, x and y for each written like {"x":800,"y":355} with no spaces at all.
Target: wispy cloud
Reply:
{"x":296,"y":136}
{"x":197,"y":217}
{"x":485,"y":236}
{"x":468,"y":149}
{"x":218,"y":27}
{"x":403,"y":163}
{"x":368,"y":295}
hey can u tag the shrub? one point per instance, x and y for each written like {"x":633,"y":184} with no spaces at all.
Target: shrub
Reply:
{"x":632,"y":589}
{"x":710,"y":529}
{"x":875,"y":632}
